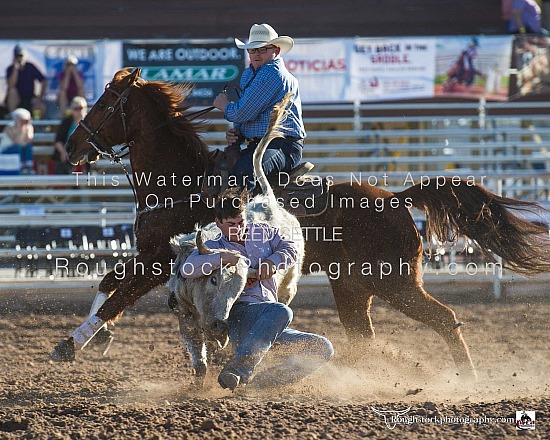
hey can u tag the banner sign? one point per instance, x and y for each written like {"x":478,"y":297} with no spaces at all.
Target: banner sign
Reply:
{"x":320,"y":67}
{"x":207,"y":65}
{"x":328,"y":70}
{"x":97,"y":62}
{"x":390,"y":68}
{"x":473,"y":67}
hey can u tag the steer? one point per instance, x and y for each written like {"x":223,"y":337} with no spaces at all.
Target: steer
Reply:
{"x":202,"y":304}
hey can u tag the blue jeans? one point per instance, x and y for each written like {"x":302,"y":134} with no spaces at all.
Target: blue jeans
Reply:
{"x":254,"y":328}
{"x":282,"y":154}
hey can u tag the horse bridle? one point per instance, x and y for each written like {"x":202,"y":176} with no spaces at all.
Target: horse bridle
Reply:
{"x":108,"y":151}
{"x":93,"y":134}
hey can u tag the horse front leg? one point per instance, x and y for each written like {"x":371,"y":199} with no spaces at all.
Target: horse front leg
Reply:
{"x":192,"y":337}
{"x":105,"y":336}
{"x":140,"y":275}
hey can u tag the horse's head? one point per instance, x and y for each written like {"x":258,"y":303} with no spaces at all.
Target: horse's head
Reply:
{"x":106,"y":123}
{"x":212,"y":295}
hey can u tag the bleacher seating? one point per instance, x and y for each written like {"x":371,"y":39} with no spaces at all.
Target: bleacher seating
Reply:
{"x":67,"y":251}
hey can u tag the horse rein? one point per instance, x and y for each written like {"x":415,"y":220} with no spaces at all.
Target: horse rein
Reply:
{"x":93,"y":134}
{"x":189,"y":116}
{"x":113,"y":155}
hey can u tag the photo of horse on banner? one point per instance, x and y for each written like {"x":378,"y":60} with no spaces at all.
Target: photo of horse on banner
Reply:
{"x":380,"y":249}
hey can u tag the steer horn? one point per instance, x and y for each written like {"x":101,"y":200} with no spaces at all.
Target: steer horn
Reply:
{"x":200,"y":244}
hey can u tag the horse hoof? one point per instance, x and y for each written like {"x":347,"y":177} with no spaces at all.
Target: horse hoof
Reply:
{"x":229,"y":379}
{"x":64,"y":351}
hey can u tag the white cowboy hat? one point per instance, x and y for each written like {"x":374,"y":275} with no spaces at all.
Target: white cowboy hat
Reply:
{"x":264,"y":35}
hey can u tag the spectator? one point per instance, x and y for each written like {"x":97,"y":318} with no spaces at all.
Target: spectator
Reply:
{"x":21,"y":134}
{"x":71,"y":83}
{"x":21,"y":77}
{"x":60,"y":157}
{"x":526,"y":17}
{"x":4,"y":113}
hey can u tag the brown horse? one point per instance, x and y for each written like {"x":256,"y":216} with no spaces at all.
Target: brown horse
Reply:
{"x":379,"y":250}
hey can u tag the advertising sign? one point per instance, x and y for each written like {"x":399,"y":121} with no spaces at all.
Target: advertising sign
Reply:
{"x":391,"y":68}
{"x":473,"y":67}
{"x":320,"y":67}
{"x":209,"y":66}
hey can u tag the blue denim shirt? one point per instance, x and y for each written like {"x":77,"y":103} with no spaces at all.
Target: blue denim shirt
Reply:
{"x":261,"y":90}
{"x":262,"y":242}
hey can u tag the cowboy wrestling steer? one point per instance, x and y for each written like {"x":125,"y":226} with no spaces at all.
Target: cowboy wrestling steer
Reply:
{"x":202,"y":305}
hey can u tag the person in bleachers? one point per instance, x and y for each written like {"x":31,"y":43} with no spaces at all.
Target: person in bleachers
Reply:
{"x":20,"y":133}
{"x":71,"y":83}
{"x":526,"y":17}
{"x":506,"y":10}
{"x":79,"y":108}
{"x":22,"y":76}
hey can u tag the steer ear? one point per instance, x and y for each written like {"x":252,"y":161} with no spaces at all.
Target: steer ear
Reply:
{"x":252,"y":273}
{"x":200,"y":244}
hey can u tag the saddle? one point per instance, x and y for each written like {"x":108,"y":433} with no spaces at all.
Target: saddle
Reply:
{"x":302,"y":194}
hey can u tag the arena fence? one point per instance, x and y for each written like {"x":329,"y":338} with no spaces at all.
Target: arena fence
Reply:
{"x":503,"y":146}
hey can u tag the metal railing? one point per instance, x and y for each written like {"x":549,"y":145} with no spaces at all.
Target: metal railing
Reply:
{"x":503,"y":146}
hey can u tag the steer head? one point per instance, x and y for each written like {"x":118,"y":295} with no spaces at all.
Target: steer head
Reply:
{"x":211,"y":296}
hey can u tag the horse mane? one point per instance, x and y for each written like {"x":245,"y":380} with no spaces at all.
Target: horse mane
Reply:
{"x":169,"y":101}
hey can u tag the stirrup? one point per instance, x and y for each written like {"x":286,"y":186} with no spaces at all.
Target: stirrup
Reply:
{"x":300,"y":170}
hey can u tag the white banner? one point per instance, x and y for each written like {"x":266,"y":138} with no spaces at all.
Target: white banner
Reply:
{"x":391,"y":68}
{"x":321,"y":68}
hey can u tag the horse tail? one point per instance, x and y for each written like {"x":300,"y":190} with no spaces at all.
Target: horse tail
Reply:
{"x":477,"y":213}
{"x":274,"y":130}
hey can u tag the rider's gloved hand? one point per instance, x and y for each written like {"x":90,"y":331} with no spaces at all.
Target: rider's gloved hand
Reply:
{"x":233,"y":136}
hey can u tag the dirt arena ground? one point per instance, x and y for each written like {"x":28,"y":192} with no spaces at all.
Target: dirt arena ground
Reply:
{"x":141,"y":388}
